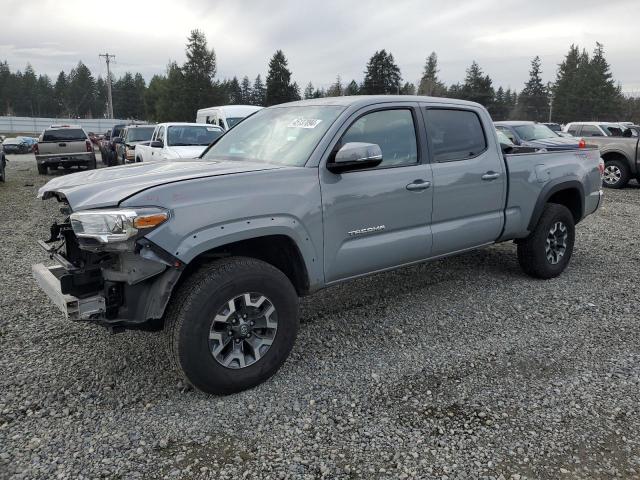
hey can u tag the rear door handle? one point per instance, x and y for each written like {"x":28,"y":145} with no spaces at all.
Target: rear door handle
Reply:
{"x":490,"y":176}
{"x":418,"y":185}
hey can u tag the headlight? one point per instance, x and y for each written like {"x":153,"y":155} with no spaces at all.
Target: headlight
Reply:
{"x":119,"y":225}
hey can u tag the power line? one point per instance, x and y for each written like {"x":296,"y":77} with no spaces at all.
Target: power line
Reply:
{"x":107,"y":58}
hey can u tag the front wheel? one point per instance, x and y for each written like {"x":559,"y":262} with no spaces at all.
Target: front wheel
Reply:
{"x":546,"y":252}
{"x":232,"y":324}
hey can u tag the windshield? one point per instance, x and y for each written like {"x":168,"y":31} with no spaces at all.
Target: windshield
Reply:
{"x":534,"y":132}
{"x":139,"y":134}
{"x":281,"y":135}
{"x":191,"y":135}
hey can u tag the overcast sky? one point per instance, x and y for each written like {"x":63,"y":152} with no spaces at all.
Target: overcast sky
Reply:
{"x":323,"y":39}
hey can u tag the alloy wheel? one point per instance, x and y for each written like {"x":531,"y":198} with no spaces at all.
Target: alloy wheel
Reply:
{"x":556,"y":244}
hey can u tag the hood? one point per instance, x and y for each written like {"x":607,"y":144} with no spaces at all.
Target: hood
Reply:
{"x":553,"y":143}
{"x":190,"y":151}
{"x":107,"y":187}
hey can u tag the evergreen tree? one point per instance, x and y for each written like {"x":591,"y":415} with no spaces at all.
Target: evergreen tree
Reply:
{"x":477,"y":87}
{"x":235,"y":92}
{"x":429,"y":83}
{"x":152,"y":96}
{"x":308,"y":91}
{"x":198,"y":74}
{"x":60,"y":95}
{"x":171,"y":106}
{"x":408,"y":89}
{"x":45,"y":99}
{"x":606,"y":95}
{"x":258,"y":92}
{"x":295,"y":91}
{"x":100,"y":103}
{"x":352,"y":88}
{"x":246,"y":90}
{"x":382,"y":75}
{"x":279,"y":86}
{"x":336,"y":90}
{"x":454,"y":91}
{"x":81,"y":91}
{"x":565,"y":95}
{"x":533,"y":103}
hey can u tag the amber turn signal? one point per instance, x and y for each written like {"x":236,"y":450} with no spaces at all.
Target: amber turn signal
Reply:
{"x":148,"y":221}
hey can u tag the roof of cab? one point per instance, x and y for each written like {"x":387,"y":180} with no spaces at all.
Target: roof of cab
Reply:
{"x":364,"y":100}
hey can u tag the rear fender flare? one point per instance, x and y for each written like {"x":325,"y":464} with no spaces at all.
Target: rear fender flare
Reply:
{"x":548,"y":191}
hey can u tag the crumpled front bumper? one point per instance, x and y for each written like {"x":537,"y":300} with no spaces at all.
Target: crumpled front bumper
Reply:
{"x":74,"y":308}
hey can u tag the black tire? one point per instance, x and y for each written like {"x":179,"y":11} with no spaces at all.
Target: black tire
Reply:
{"x":91,"y":165}
{"x":42,"y":169}
{"x":532,"y":251}
{"x":616,"y":174}
{"x":188,"y":322}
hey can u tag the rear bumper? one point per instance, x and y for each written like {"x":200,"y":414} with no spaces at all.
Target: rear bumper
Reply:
{"x":72,"y":158}
{"x":73,"y":308}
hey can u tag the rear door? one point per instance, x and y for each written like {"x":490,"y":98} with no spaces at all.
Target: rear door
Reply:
{"x":378,"y":218}
{"x":469,"y":181}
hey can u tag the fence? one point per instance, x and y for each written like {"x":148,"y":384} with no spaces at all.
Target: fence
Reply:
{"x":34,"y":126}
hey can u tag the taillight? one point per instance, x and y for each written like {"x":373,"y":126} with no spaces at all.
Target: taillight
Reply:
{"x":89,"y":146}
{"x":582,"y":143}
{"x":601,"y":167}
{"x":36,"y":150}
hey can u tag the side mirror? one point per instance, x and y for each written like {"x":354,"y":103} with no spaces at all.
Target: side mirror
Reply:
{"x":355,"y":156}
{"x":156,"y":144}
{"x":117,"y":140}
{"x":506,"y":148}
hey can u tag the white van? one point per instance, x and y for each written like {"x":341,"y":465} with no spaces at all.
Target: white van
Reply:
{"x":226,"y":116}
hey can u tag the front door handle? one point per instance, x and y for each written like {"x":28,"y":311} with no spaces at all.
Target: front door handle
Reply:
{"x":490,"y":176}
{"x":418,"y":185}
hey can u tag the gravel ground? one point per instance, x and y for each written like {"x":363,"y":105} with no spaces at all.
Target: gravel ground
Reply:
{"x":462,"y":368}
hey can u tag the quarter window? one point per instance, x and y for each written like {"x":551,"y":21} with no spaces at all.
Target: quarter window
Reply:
{"x":455,"y":134}
{"x":392,"y":130}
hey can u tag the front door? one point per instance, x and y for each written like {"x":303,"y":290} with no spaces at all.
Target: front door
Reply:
{"x":378,"y":218}
{"x":469,"y":179}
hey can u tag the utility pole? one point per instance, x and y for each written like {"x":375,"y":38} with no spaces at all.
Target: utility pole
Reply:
{"x":107,"y":58}
{"x":550,"y":108}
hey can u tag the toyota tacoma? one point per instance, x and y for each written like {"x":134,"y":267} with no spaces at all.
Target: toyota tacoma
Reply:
{"x":217,"y":250}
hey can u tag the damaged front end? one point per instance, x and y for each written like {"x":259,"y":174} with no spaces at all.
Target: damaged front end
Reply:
{"x":107,"y":272}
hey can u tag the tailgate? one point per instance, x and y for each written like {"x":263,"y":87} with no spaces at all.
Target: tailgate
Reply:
{"x":63,"y":147}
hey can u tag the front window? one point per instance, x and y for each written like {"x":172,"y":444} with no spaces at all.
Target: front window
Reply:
{"x":140,"y":134}
{"x":281,"y":135}
{"x":535,"y":131}
{"x":191,"y":135}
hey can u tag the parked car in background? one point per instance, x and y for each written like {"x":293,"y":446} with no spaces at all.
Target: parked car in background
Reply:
{"x":64,"y":146}
{"x":594,"y":129}
{"x":339,"y":188}
{"x":171,"y":141}
{"x":103,"y":145}
{"x":3,"y":165}
{"x":15,"y":145}
{"x":225,"y":116}
{"x":621,"y":156}
{"x":536,"y":135}
{"x":110,"y":157}
{"x":132,"y":136}
{"x":30,"y":141}
{"x":556,"y":128}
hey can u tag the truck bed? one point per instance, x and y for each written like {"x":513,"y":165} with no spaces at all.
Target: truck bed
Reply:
{"x":528,"y":187}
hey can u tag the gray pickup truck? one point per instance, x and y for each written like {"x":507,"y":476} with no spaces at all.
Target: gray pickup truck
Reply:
{"x":66,"y":146}
{"x":621,"y":156}
{"x":297,"y":197}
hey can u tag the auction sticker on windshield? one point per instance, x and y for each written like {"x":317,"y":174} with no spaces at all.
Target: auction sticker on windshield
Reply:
{"x":304,"y":123}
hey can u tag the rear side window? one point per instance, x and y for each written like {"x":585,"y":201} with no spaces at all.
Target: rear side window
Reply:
{"x":64,"y":135}
{"x":455,"y":134}
{"x":573,"y":129}
{"x":591,"y":131}
{"x":392,"y":130}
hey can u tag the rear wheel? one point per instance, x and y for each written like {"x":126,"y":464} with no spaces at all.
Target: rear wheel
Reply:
{"x":42,"y":169}
{"x":91,"y":165}
{"x":232,"y":324}
{"x":616,"y":174}
{"x":546,"y":252}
